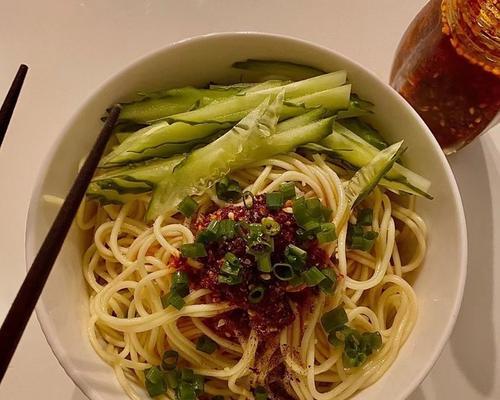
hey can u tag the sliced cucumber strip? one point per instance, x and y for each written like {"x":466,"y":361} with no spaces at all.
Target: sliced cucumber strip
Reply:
{"x":289,"y":70}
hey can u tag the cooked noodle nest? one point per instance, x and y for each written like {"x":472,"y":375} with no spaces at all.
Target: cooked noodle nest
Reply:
{"x":128,"y":268}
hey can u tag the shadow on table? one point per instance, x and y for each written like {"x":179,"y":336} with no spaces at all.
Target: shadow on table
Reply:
{"x":472,"y":342}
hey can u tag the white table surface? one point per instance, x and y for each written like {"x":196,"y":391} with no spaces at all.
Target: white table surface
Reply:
{"x":72,"y":46}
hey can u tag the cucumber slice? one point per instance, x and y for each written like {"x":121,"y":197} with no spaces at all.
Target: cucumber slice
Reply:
{"x":357,"y":108}
{"x":203,"y":167}
{"x":289,"y":70}
{"x":342,"y":139}
{"x":234,"y":108}
{"x":332,"y":99}
{"x":365,"y":131}
{"x":265,"y":85}
{"x":122,"y":136}
{"x":156,"y":105}
{"x":301,"y":120}
{"x":368,"y":176}
{"x":124,"y":184}
{"x":160,"y":140}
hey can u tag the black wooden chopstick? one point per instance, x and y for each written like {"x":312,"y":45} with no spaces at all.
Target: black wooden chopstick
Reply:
{"x":10,"y":101}
{"x":27,"y":297}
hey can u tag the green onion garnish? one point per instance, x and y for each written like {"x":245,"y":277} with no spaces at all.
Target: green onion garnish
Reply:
{"x":173,"y":299}
{"x":256,"y":294}
{"x":248,"y":199}
{"x":227,"y":228}
{"x":180,"y":278}
{"x":169,"y":360}
{"x":187,"y":375}
{"x":172,"y":378}
{"x":154,"y":381}
{"x":274,"y":200}
{"x":297,"y":280}
{"x":328,"y":285}
{"x":260,"y":393}
{"x":206,"y":345}
{"x":313,"y":206}
{"x":365,"y":217}
{"x":288,"y":191}
{"x":334,"y":319}
{"x":283,"y":271}
{"x":198,"y":383}
{"x":313,"y":276}
{"x":193,"y":250}
{"x":326,"y":233}
{"x":228,"y":190}
{"x":296,"y":257}
{"x":270,"y":226}
{"x":229,"y":279}
{"x":264,"y":262}
{"x":186,"y":391}
{"x":188,"y":206}
{"x":231,"y":264}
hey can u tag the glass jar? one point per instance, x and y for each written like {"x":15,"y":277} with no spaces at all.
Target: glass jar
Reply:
{"x":447,"y":66}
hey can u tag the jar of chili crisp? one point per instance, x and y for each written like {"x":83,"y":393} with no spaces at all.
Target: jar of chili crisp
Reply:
{"x":447,"y":66}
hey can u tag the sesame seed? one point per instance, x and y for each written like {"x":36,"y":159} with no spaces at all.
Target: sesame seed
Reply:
{"x":471,"y":110}
{"x":477,"y":120}
{"x":442,"y":123}
{"x":230,"y":215}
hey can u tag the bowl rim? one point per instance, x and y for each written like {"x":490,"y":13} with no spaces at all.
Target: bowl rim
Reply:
{"x":43,"y":317}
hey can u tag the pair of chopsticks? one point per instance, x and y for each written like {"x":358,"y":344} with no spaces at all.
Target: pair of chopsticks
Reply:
{"x":27,"y":297}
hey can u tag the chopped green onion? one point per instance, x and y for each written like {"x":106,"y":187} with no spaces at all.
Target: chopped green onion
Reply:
{"x":326,"y":213}
{"x":206,"y":345}
{"x":313,"y":276}
{"x":297,"y":280}
{"x":365,"y":217}
{"x":296,"y":257}
{"x":334,"y":319}
{"x":313,"y":206}
{"x":228,"y":190}
{"x":172,"y":378}
{"x":271,"y":227}
{"x":199,"y":383}
{"x":186,"y":391}
{"x":231,"y":264}
{"x":205,"y":236}
{"x":187,"y":375}
{"x":169,"y":360}
{"x":248,"y":199}
{"x":155,"y":381}
{"x":229,"y":279}
{"x":260,"y":393}
{"x":274,"y":200}
{"x":255,"y":231}
{"x":370,"y":235}
{"x":173,"y":299}
{"x":327,"y":233}
{"x":371,"y":341}
{"x":188,"y":206}
{"x":288,"y":191}
{"x":180,"y":278}
{"x":312,"y":226}
{"x":227,"y":228}
{"x":256,"y":294}
{"x":193,"y":250}
{"x":283,"y":271}
{"x":300,"y":211}
{"x":264,"y":262}
{"x":328,"y":285}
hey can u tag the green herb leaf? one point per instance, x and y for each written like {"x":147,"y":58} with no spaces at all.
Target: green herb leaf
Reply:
{"x":188,"y":206}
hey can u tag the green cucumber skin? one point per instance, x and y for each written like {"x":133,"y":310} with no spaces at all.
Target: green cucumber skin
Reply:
{"x":368,"y":176}
{"x":232,"y":109}
{"x":362,"y":153}
{"x":120,"y":185}
{"x":289,"y":70}
{"x":365,"y":131}
{"x":158,"y":105}
{"x":160,"y":140}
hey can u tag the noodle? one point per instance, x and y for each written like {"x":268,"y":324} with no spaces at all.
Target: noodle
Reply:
{"x":129,"y":265}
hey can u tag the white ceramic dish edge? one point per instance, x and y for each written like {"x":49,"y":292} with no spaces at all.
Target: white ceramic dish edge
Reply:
{"x":44,"y":318}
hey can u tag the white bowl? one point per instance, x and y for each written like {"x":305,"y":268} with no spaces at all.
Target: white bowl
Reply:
{"x":63,"y":308}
